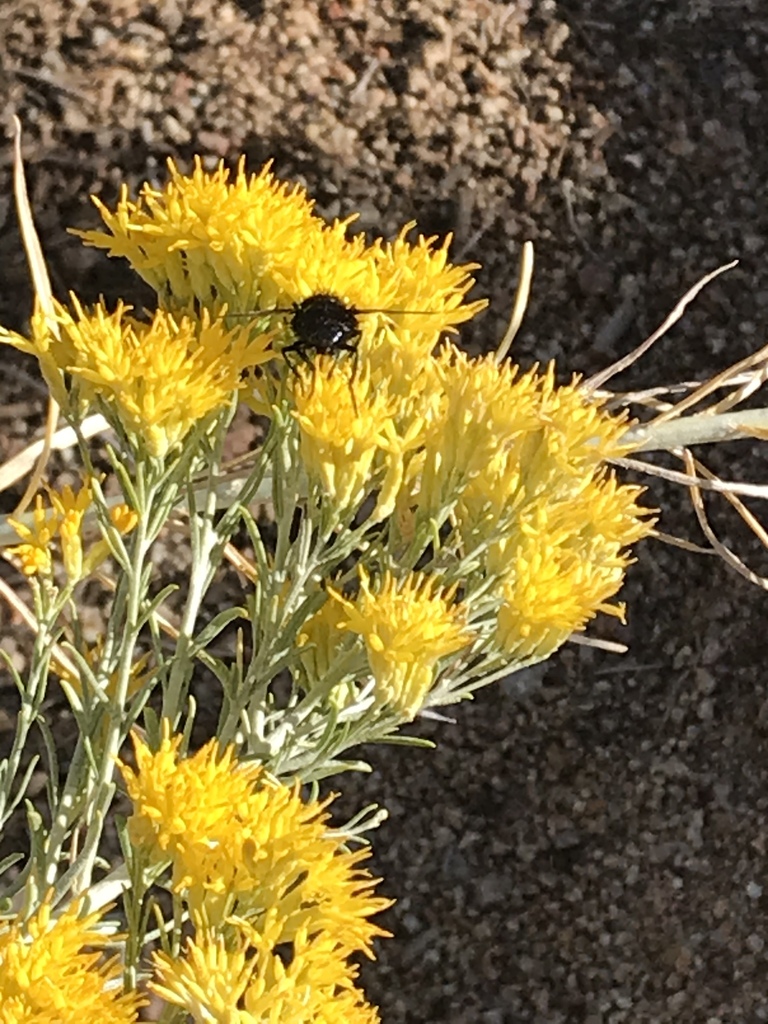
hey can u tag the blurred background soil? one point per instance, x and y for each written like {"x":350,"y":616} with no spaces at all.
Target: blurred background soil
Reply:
{"x":587,"y":844}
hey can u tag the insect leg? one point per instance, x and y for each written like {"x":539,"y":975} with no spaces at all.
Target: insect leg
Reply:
{"x":298,"y":349}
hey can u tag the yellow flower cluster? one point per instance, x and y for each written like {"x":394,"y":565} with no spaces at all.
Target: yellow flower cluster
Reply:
{"x":515,"y":461}
{"x":52,"y":969}
{"x":475,"y":500}
{"x":254,"y":243}
{"x":406,"y":626}
{"x":240,"y":844}
{"x":213,"y":976}
{"x":459,"y":457}
{"x":63,"y":523}
{"x":157,"y":379}
{"x":522,"y":462}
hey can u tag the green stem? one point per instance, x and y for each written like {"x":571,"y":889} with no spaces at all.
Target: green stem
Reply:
{"x":204,"y":541}
{"x":702,"y":428}
{"x":32,"y":697}
{"x":111,"y":730}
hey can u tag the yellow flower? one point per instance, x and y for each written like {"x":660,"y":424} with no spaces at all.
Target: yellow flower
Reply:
{"x":71,"y":509}
{"x":551,"y":593}
{"x":35,"y":551}
{"x":208,"y":981}
{"x":614,"y":513}
{"x":407,"y":626}
{"x":203,"y":239}
{"x":524,"y":425}
{"x":123,"y":518}
{"x":64,"y":523}
{"x":413,"y":278}
{"x":168,"y":792}
{"x":347,"y":436}
{"x":236,"y":839}
{"x":54,"y":970}
{"x":564,"y":565}
{"x":321,"y":648}
{"x":312,"y":985}
{"x":156,"y":379}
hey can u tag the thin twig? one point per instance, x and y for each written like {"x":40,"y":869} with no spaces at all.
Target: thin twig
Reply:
{"x":603,"y":645}
{"x":522,"y":294}
{"x":680,"y":542}
{"x":42,"y":286}
{"x":722,"y":550}
{"x":719,"y":380}
{"x":22,"y":462}
{"x":676,"y":477}
{"x":751,"y":521}
{"x":650,"y":397}
{"x":599,"y":379}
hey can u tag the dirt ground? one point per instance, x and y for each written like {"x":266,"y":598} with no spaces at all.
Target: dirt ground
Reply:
{"x":586,"y":845}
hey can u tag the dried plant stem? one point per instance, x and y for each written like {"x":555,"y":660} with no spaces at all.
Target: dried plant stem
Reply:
{"x":43,"y":293}
{"x":21,"y":463}
{"x":600,"y":379}
{"x":696,"y":469}
{"x":706,"y":483}
{"x":520,"y":305}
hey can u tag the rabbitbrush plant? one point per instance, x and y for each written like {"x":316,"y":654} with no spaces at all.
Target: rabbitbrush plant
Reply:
{"x":436,"y":522}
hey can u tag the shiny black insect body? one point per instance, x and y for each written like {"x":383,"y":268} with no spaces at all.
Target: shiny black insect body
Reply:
{"x":324,"y":325}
